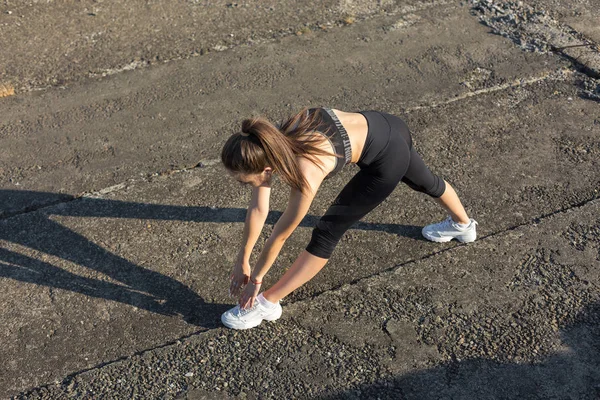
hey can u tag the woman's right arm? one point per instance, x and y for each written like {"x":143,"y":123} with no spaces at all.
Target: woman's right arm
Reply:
{"x":255,"y":220}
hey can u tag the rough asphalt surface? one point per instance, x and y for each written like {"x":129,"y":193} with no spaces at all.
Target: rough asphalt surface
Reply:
{"x":118,"y":228}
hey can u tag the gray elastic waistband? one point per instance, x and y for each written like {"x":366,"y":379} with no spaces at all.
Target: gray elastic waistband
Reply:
{"x":343,"y":134}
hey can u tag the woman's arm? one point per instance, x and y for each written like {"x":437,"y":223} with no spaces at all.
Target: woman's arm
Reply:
{"x":256,"y":216}
{"x":255,"y":220}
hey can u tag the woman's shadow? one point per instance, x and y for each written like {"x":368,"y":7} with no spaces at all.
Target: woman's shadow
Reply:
{"x":137,"y":286}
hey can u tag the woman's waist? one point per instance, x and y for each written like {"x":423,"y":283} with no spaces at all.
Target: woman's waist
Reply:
{"x":384,"y":130}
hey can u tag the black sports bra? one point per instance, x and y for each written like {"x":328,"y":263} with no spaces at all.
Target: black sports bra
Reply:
{"x":338,"y":137}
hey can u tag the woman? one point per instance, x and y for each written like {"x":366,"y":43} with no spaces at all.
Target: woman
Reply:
{"x":305,"y":150}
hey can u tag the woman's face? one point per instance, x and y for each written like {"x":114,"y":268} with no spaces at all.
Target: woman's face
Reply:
{"x":254,"y":180}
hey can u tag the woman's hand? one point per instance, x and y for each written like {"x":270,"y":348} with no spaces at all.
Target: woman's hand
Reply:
{"x":239,"y":277}
{"x":249,"y":295}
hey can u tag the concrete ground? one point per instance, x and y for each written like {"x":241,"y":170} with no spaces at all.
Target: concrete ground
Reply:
{"x":118,"y":229}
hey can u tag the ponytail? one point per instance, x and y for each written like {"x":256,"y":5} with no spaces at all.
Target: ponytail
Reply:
{"x":261,"y":144}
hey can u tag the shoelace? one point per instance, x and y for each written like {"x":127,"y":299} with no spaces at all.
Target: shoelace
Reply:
{"x":447,"y":223}
{"x":243,"y":311}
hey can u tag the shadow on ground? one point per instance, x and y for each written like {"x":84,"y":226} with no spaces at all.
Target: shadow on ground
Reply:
{"x":570,"y":374}
{"x":138,"y":286}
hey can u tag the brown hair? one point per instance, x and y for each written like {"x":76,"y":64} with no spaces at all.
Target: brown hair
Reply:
{"x":261,"y":144}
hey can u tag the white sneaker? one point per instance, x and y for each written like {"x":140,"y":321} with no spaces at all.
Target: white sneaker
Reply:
{"x":238,"y":318}
{"x":447,"y":230}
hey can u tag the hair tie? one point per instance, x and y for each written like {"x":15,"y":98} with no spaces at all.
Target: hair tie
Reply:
{"x":244,"y":134}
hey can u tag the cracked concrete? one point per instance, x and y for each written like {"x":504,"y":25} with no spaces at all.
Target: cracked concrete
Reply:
{"x":535,"y":29}
{"x":449,"y":314}
{"x":113,"y":233}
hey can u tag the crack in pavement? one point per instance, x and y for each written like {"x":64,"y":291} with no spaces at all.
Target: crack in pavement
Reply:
{"x":107,"y":363}
{"x":340,"y":21}
{"x":560,"y":75}
{"x":533,"y":221}
{"x":536,"y":31}
{"x":326,"y":343}
{"x":4,"y":215}
{"x":312,"y":27}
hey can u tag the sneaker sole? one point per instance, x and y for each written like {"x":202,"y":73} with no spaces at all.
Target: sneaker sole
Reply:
{"x":274,"y":317}
{"x":449,"y":238}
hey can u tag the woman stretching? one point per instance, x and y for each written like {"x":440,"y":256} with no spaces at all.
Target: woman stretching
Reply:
{"x":307,"y":148}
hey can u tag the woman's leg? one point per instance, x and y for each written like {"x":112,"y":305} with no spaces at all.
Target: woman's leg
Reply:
{"x":421,"y":179}
{"x":460,"y":227}
{"x":451,"y":203}
{"x":304,"y":269}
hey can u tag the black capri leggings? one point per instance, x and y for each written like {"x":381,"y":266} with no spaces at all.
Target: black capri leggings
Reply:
{"x":387,"y":158}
